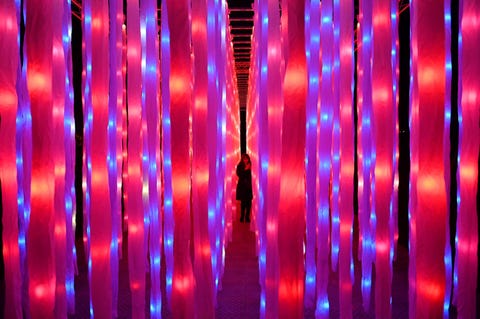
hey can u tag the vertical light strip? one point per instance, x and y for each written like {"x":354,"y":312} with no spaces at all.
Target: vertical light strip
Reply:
{"x":134,"y":187}
{"x":291,"y":207}
{"x":211,"y":50}
{"x":324,"y":143}
{"x":23,"y":147}
{"x":69,"y":140}
{"x":87,"y":127}
{"x":312,"y":47}
{"x":366,"y":160}
{"x":427,"y":193}
{"x":204,"y":291}
{"x":335,"y":174}
{"x":151,"y":84}
{"x":100,"y":213}
{"x":168,"y":221}
{"x":40,"y":241}
{"x":345,"y":262}
{"x":180,"y":105}
{"x":58,"y":95}
{"x":446,"y":154}
{"x":384,"y":130}
{"x":466,"y":241}
{"x":9,"y":67}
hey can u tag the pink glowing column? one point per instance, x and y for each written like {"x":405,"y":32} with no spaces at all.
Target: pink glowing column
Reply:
{"x":312,"y":48}
{"x":180,"y":100}
{"x":427,"y":192}
{"x":345,"y":265}
{"x":384,"y":129}
{"x":9,"y":62}
{"x":134,"y":187}
{"x":366,"y":209}
{"x":291,"y":211}
{"x":466,"y":270}
{"x":204,"y":291}
{"x":324,"y":158}
{"x":40,"y":240}
{"x":115,"y":105}
{"x":58,"y":90}
{"x":100,"y":209}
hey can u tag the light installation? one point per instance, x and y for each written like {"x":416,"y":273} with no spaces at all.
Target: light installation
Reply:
{"x":181,"y":109}
{"x":466,"y":240}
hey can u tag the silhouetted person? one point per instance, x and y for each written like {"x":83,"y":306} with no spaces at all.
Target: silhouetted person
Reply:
{"x":244,"y":187}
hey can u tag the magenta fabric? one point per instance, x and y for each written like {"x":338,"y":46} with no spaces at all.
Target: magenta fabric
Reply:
{"x":428,"y":204}
{"x":9,"y":66}
{"x":466,"y":268}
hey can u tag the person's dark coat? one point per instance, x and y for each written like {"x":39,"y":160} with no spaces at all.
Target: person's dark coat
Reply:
{"x":244,"y":185}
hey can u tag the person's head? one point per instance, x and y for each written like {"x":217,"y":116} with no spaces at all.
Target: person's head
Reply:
{"x":245,"y":158}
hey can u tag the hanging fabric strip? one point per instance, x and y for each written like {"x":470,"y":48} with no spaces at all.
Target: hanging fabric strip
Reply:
{"x":182,"y":303}
{"x":312,"y":47}
{"x":69,"y":140}
{"x":427,"y":192}
{"x":9,"y":66}
{"x":291,"y":207}
{"x":40,"y":236}
{"x":324,"y":146}
{"x":466,"y":262}
{"x":345,"y":263}
{"x":202,"y":266}
{"x":58,"y":94}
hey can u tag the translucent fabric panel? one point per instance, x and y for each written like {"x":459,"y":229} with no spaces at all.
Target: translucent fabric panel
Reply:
{"x":9,"y":66}
{"x":291,"y":208}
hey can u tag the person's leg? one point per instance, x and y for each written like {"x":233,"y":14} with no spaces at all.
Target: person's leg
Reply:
{"x":242,"y":211}
{"x":248,"y":208}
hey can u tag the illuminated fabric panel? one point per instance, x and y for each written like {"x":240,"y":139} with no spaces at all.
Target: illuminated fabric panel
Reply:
{"x":312,"y":48}
{"x":58,"y":94}
{"x":115,"y":105}
{"x":345,"y":262}
{"x":466,"y":268}
{"x":135,"y":187}
{"x":9,"y":67}
{"x":291,"y":207}
{"x":384,"y":134}
{"x":100,"y":207}
{"x":204,"y":291}
{"x":40,"y":236}
{"x":181,"y":302}
{"x":366,"y":156}
{"x":69,"y":140}
{"x":325,"y":124}
{"x":427,"y":189}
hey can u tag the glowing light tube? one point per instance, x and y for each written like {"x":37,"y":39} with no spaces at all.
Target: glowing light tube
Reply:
{"x":204,"y":291}
{"x":180,"y":80}
{"x":324,"y":147}
{"x":384,"y":135}
{"x":134,"y":188}
{"x":69,"y":140}
{"x":58,"y":95}
{"x":40,"y":237}
{"x":100,"y":206}
{"x":151,"y":107}
{"x":312,"y":48}
{"x":466,"y":268}
{"x":345,"y":263}
{"x":115,"y":105}
{"x":168,"y":221}
{"x":427,"y":190}
{"x":9,"y":66}
{"x":291,"y":209}
{"x":366,"y":208}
